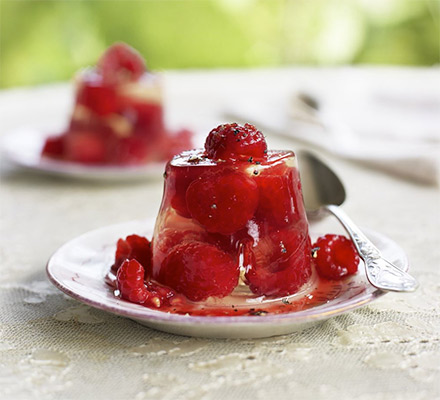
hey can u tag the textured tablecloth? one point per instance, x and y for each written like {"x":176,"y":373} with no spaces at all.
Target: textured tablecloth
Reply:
{"x":52,"y":347}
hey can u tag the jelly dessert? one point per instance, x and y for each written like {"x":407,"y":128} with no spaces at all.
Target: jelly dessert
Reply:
{"x":118,"y":117}
{"x":232,"y":212}
{"x":232,"y":233}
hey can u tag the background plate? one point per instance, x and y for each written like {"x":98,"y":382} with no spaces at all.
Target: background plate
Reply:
{"x":23,"y":148}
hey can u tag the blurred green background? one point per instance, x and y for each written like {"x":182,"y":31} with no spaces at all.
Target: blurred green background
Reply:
{"x":45,"y":41}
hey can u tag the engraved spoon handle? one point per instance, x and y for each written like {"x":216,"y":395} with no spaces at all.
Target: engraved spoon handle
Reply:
{"x":380,"y":272}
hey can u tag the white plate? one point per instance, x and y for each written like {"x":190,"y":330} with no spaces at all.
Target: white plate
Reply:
{"x":79,"y":268}
{"x":23,"y":147}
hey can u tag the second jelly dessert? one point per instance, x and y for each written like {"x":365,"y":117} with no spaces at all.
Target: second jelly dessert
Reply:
{"x":118,"y":116}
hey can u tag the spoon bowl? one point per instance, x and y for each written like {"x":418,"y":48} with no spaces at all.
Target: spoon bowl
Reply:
{"x":323,"y":193}
{"x":320,"y":185}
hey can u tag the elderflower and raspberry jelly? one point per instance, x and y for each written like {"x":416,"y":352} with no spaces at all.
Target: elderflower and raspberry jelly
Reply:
{"x":231,"y":237}
{"x":118,"y":115}
{"x":232,"y":221}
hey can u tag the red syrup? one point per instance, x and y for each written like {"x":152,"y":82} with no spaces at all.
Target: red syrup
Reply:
{"x":317,"y":292}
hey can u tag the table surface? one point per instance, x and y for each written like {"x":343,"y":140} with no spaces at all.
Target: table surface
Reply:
{"x":54,"y":347}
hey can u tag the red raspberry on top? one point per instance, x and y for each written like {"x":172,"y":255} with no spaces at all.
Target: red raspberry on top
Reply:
{"x":235,"y":142}
{"x":199,"y":270}
{"x":120,"y":63}
{"x":335,"y":257}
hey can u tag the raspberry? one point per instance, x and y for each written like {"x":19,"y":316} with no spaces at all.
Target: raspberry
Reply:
{"x":131,"y":151}
{"x":278,"y":200}
{"x":130,"y":282}
{"x":227,"y":243}
{"x":85,"y":147}
{"x":120,"y":63}
{"x":199,"y":270}
{"x":102,"y":100}
{"x":281,"y":203}
{"x":54,"y":146}
{"x":146,"y":116}
{"x":336,"y":257}
{"x":235,"y":142}
{"x":133,"y":247}
{"x":177,"y":184}
{"x":222,"y":203}
{"x":165,"y":241}
{"x":169,"y":237}
{"x":279,"y":264}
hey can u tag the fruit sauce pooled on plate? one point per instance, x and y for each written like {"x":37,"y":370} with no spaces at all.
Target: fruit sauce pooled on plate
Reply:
{"x":231,"y":237}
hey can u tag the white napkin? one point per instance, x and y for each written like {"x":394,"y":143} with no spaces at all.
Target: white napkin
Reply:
{"x":392,"y":132}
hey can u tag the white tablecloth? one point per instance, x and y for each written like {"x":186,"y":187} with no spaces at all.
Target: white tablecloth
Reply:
{"x":52,"y":347}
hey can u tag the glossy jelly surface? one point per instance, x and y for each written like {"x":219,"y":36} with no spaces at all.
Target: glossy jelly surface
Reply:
{"x":228,"y":228}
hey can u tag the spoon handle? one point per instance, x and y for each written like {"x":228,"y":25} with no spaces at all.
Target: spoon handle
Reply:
{"x":380,"y":272}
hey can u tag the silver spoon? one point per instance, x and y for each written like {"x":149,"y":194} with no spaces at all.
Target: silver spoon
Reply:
{"x":324,"y":193}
